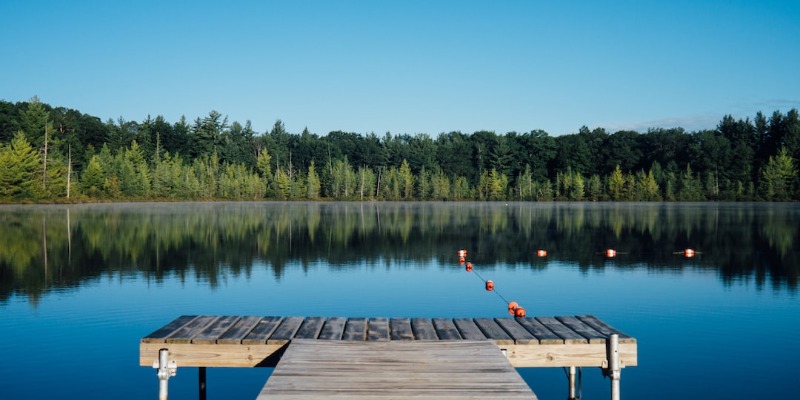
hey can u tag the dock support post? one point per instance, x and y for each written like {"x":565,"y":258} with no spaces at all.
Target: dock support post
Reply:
{"x":201,"y":381}
{"x":613,"y":365}
{"x":166,"y":369}
{"x":574,"y":389}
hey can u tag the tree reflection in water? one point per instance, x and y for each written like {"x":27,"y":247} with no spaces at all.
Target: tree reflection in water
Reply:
{"x":51,"y":247}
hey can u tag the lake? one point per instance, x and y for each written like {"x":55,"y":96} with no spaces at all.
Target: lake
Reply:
{"x":81,"y":284}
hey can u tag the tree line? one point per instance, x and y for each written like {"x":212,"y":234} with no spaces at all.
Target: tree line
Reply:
{"x":58,"y":154}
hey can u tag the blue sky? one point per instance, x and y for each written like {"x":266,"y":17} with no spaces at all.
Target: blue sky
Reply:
{"x":407,"y":66}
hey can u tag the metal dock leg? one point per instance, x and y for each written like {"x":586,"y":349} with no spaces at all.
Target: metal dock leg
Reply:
{"x":166,"y":369}
{"x":613,"y":365}
{"x":574,"y":390}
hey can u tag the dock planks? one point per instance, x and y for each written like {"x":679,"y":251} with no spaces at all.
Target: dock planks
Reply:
{"x":247,"y":341}
{"x":420,"y":369}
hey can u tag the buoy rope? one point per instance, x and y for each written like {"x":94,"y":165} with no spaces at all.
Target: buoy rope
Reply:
{"x":493,"y":290}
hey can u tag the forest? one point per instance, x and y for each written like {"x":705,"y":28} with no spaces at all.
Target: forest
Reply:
{"x":56,"y":154}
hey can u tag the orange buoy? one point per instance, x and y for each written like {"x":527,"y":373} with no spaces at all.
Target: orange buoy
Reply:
{"x":519,"y":312}
{"x":461,"y":260}
{"x":469,"y":267}
{"x":611,"y":253}
{"x":541,"y":253}
{"x":689,"y":253}
{"x":489,"y":285}
{"x":462,"y":253}
{"x":512,"y":307}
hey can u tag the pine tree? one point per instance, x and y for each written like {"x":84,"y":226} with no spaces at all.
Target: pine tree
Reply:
{"x":20,"y":166}
{"x":778,"y":177}
{"x":312,"y":182}
{"x":92,"y":178}
{"x":616,"y":184}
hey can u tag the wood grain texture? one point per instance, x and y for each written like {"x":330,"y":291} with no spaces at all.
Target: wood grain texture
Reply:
{"x":518,"y":333}
{"x":468,"y":329}
{"x":262,"y":331}
{"x":568,"y":354}
{"x":604,"y":328}
{"x":286,"y":330}
{"x":582,"y":329}
{"x":310,"y":328}
{"x":562,"y":331}
{"x":378,"y":329}
{"x":160,"y":335}
{"x":213,"y":341}
{"x":187,"y":332}
{"x":212,"y":332}
{"x":446,"y":329}
{"x":493,"y":331}
{"x":423,"y":329}
{"x":394,"y":369}
{"x":208,"y":355}
{"x":239,"y":330}
{"x":401,"y":329}
{"x":355,"y":329}
{"x":539,"y":331}
{"x":333,"y":329}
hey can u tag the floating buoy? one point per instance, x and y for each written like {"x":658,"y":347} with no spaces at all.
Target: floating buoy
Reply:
{"x":469,"y":267}
{"x":513,"y":305}
{"x":689,"y":253}
{"x":541,"y":253}
{"x":461,"y":260}
{"x":611,"y":253}
{"x":462,"y":253}
{"x":519,"y":312}
{"x":489,"y":285}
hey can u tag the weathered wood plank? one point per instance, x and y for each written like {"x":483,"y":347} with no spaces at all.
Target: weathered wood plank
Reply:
{"x":468,"y":329}
{"x":394,"y":369}
{"x":378,"y":329}
{"x":286,"y":330}
{"x":423,"y":329}
{"x":262,"y":331}
{"x":561,"y":330}
{"x":239,"y":330}
{"x":355,"y":329}
{"x":186,"y":333}
{"x":605,"y":329}
{"x":582,"y":329}
{"x":208,"y":355}
{"x":161,"y":334}
{"x":310,"y":328}
{"x":539,"y":331}
{"x":518,"y":333}
{"x":333,"y":329}
{"x":215,"y":330}
{"x":446,"y":329}
{"x":493,"y":331}
{"x":401,"y":329}
{"x":568,"y":354}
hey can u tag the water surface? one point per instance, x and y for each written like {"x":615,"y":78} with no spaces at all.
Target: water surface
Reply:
{"x":81,"y":284}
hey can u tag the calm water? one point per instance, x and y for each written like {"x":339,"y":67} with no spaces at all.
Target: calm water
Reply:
{"x":81,"y":284}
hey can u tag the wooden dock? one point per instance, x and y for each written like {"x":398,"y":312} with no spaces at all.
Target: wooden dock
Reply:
{"x":339,"y":344}
{"x":464,"y":369}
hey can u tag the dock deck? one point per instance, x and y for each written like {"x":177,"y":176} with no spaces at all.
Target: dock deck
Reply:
{"x":465,"y":369}
{"x":252,"y":341}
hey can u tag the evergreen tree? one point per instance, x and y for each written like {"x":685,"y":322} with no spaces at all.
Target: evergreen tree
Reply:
{"x":779,"y":177}
{"x":312,"y":182}
{"x":19,"y":169}
{"x":406,"y":180}
{"x":93,"y":177}
{"x":616,"y":184}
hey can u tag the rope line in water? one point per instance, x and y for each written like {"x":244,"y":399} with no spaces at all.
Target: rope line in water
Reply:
{"x":513,"y":308}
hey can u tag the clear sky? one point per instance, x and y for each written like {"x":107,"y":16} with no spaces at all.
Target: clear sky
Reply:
{"x":407,"y":66}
